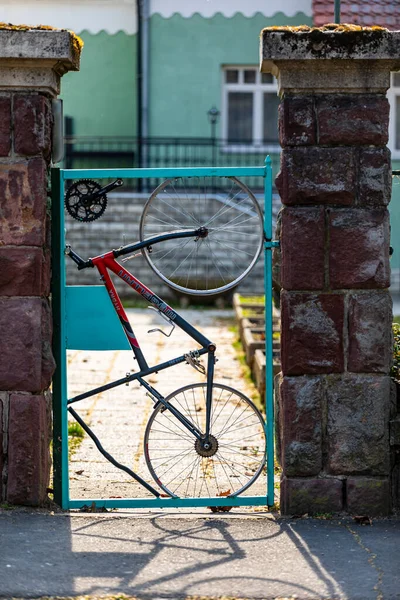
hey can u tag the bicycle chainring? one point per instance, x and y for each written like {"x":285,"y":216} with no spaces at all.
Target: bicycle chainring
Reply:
{"x":82,"y":202}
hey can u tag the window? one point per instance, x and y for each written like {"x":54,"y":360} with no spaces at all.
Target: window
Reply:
{"x":250,"y":108}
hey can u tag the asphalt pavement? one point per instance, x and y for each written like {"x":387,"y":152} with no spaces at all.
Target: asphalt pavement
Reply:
{"x":154,"y":555}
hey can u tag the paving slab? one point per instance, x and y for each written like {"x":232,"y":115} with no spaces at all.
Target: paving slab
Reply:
{"x":153,"y":555}
{"x":119,"y":416}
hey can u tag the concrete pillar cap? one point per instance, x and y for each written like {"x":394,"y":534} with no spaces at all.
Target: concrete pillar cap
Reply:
{"x":34,"y":58}
{"x":330,"y":59}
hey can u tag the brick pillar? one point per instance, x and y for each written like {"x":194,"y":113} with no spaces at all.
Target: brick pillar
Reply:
{"x":31,"y":64}
{"x":335,"y":185}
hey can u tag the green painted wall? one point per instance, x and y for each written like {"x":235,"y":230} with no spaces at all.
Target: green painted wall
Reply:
{"x":101,"y":96}
{"x":186,"y":56}
{"x":394,"y":209}
{"x":186,"y":60}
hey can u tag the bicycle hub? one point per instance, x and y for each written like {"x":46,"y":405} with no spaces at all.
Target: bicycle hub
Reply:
{"x":206,"y":447}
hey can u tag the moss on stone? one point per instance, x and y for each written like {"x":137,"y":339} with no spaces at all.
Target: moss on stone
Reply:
{"x":342,"y":28}
{"x":77,"y":42}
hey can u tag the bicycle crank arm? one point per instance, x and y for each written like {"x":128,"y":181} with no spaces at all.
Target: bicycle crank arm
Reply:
{"x":107,"y":188}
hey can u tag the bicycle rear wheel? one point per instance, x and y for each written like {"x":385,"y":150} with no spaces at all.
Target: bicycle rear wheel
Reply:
{"x":220,"y":260}
{"x":177,"y":461}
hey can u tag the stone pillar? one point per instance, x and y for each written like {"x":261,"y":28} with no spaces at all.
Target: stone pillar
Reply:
{"x":31,"y":64}
{"x":335,"y":185}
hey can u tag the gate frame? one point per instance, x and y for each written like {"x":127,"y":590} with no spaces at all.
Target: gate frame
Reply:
{"x":59,"y":289}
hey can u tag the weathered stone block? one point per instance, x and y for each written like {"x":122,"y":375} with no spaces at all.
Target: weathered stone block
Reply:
{"x":296,"y":120}
{"x":375,"y":178}
{"x":22,"y":271}
{"x":395,"y":431}
{"x":318,"y":175}
{"x":358,"y":424}
{"x":23,"y":203}
{"x":28,"y":466}
{"x":311,"y":496}
{"x":368,"y":496}
{"x":48,"y":363}
{"x":301,"y":422}
{"x":312,"y":333}
{"x":5,"y":125}
{"x":278,"y":420}
{"x":370,"y":332}
{"x":25,"y":344}
{"x":359,"y":249}
{"x":1,"y":448}
{"x":352,"y":119}
{"x":303,"y":248}
{"x":32,"y":124}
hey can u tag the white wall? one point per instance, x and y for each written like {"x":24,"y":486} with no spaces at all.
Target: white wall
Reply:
{"x":120,"y":15}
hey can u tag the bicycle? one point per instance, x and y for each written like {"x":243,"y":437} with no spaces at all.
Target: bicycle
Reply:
{"x":204,"y":439}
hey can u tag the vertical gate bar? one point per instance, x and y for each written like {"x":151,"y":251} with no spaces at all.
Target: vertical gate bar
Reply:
{"x":60,"y":424}
{"x":269,"y":383}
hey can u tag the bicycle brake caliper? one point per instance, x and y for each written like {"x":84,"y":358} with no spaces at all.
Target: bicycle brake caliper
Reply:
{"x":192,"y":359}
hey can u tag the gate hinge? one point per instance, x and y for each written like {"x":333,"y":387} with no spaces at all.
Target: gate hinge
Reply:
{"x":272,"y":243}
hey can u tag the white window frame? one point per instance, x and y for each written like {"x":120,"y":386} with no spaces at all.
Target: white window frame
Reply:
{"x":258,"y":89}
{"x":392,"y":94}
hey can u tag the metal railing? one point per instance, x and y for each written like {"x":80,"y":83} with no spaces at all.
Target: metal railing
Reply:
{"x":157,"y":152}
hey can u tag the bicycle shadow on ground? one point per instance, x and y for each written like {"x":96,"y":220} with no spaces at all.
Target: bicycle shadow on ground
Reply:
{"x":156,"y":556}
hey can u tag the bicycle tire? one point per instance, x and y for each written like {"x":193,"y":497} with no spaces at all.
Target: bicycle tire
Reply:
{"x":172,"y":455}
{"x":213,"y":264}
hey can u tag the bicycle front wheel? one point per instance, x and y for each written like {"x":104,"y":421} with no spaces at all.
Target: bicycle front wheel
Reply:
{"x":218,"y":261}
{"x":179,"y":463}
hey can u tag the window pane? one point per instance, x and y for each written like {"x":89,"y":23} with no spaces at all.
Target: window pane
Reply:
{"x":267,"y":78}
{"x":231,"y":76}
{"x":249,"y":76}
{"x":397,"y":122}
{"x":240,"y":117}
{"x":270,"y":107}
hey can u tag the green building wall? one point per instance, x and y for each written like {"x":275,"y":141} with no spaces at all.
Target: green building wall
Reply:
{"x":101,"y":97}
{"x":394,"y":209}
{"x":186,"y":55}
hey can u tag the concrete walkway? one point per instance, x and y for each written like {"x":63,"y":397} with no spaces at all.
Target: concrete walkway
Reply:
{"x":119,"y":417}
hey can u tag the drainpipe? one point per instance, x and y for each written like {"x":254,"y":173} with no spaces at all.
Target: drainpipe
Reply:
{"x":139,"y":79}
{"x":145,"y":75}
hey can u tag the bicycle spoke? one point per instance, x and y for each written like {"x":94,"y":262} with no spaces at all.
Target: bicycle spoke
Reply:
{"x":236,"y":459}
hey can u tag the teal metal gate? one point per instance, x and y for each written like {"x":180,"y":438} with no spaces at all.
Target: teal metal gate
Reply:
{"x":77,"y":310}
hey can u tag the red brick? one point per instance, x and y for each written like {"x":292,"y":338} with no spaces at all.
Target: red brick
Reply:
{"x":303,"y":248}
{"x":312,"y":333}
{"x":5,"y":126}
{"x":21,"y":271}
{"x":23,"y":197}
{"x":368,"y":496}
{"x":28,"y":462}
{"x":297,"y":121}
{"x":301,"y":426}
{"x":352,"y":119}
{"x":358,"y":424}
{"x":370,"y":332}
{"x":311,"y":496}
{"x":375,"y":185}
{"x":359,"y":249}
{"x":32,"y":125}
{"x":318,"y":176}
{"x":26,"y":360}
